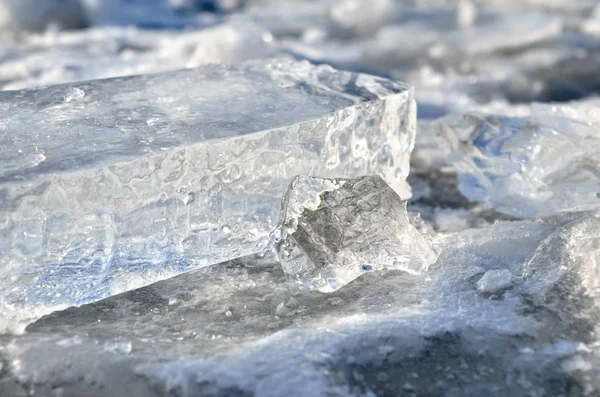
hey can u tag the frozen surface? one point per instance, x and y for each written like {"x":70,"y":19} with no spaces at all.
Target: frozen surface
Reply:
{"x":240,"y":328}
{"x":510,"y":308}
{"x":530,"y":166}
{"x":334,"y":230}
{"x":103,"y":180}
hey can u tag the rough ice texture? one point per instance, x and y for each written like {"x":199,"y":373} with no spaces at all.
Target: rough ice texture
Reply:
{"x":239,"y":329}
{"x":531,"y":166}
{"x":334,"y":230}
{"x":110,"y":185}
{"x":570,"y":258}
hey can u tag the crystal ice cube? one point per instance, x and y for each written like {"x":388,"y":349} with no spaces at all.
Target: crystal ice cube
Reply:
{"x":334,"y":230}
{"x":112,"y":184}
{"x":528,"y":166}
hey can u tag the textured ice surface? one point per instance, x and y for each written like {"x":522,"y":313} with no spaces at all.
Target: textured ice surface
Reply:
{"x":103,"y":181}
{"x":242,"y":328}
{"x":239,"y":328}
{"x":530,"y":166}
{"x":334,"y":230}
{"x":569,"y":257}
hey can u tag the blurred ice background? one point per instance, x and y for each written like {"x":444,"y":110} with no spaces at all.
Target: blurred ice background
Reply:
{"x":461,"y":55}
{"x":458,"y":53}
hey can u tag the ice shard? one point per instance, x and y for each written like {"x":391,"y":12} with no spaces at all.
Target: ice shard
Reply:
{"x":112,"y":184}
{"x":334,"y":230}
{"x":529,"y":166}
{"x":569,"y":258}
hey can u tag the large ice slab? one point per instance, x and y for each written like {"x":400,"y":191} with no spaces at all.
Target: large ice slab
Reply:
{"x":529,"y":166}
{"x":102,"y":181}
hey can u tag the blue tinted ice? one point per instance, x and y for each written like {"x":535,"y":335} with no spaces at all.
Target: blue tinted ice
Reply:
{"x":531,"y":166}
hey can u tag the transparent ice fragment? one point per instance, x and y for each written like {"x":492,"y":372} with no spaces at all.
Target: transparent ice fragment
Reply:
{"x":528,"y":166}
{"x":73,"y":94}
{"x":569,"y":258}
{"x":334,"y":230}
{"x":145,"y":177}
{"x":562,"y":275}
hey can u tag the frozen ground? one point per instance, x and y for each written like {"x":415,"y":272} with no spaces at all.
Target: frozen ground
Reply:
{"x":505,"y":181}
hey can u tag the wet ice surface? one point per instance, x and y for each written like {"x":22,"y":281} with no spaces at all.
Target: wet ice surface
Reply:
{"x":510,"y":307}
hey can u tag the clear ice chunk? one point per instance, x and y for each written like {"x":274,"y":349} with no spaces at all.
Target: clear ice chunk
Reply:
{"x":528,"y":166}
{"x":109,"y":185}
{"x":334,"y":230}
{"x":569,"y":258}
{"x":494,"y":281}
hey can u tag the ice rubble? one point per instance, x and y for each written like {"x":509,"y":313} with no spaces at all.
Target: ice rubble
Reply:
{"x":528,"y":166}
{"x":495,"y":281}
{"x":332,"y":231}
{"x":457,"y":53}
{"x":240,"y":327}
{"x":509,"y":308}
{"x":103,"y":180}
